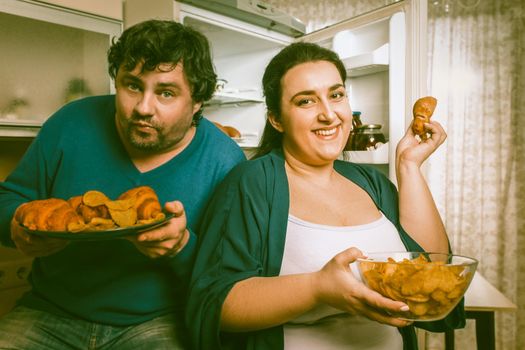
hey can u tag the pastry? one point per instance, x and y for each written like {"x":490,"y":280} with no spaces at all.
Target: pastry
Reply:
{"x":422,"y":111}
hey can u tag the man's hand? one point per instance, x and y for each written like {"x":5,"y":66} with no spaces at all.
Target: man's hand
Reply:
{"x":166,"y":240}
{"x":32,"y":245}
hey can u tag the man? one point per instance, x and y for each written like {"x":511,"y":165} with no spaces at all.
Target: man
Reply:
{"x":122,"y":293}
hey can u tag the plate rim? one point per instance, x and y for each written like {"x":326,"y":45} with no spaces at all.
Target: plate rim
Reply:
{"x":101,"y":234}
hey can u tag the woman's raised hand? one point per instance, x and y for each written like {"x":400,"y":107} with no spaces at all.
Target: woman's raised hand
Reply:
{"x":410,"y":149}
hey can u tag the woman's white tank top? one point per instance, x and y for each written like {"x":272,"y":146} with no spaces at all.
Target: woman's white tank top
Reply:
{"x":308,"y":248}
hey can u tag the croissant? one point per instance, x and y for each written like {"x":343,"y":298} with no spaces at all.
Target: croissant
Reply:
{"x":228,"y":130}
{"x":422,"y":111}
{"x":146,"y":202}
{"x":51,"y":214}
{"x":86,"y":212}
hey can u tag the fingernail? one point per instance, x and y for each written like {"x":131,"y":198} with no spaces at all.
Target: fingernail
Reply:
{"x":404,"y":308}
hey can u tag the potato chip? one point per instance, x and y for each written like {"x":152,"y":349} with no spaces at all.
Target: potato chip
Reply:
{"x":94,"y":198}
{"x":124,"y":218}
{"x":121,"y":204}
{"x":418,"y":309}
{"x":100,"y":224}
{"x":440,"y":296}
{"x":419,"y":298}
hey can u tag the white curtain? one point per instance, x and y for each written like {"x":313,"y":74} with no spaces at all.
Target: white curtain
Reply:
{"x":477,"y":72}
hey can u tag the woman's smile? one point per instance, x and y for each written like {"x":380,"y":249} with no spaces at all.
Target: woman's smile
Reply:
{"x":326,"y":133}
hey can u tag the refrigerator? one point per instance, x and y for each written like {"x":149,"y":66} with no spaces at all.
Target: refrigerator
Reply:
{"x":384,"y":52}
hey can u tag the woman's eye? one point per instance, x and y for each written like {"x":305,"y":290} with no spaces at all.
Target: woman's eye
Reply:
{"x":304,"y":101}
{"x":338,"y":94}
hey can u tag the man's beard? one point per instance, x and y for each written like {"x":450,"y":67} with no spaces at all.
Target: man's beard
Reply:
{"x":143,"y":144}
{"x":151,"y":143}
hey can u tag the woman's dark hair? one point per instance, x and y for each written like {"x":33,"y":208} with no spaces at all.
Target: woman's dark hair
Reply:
{"x":154,"y":42}
{"x":287,"y":58}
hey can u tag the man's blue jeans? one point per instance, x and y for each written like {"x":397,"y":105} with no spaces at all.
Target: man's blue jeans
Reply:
{"x":28,"y":329}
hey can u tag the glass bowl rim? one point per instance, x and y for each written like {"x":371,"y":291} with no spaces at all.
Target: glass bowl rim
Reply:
{"x":385,"y":253}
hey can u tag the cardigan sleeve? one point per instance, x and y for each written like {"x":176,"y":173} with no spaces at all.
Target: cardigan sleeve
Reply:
{"x":230,"y":249}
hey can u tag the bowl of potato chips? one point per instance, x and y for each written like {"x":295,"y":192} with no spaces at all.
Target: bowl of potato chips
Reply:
{"x":431,"y":284}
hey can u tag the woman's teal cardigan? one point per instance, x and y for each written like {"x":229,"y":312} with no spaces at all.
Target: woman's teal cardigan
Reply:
{"x":243,"y":236}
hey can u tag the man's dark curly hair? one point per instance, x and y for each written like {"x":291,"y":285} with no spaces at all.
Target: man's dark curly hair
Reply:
{"x":157,"y":41}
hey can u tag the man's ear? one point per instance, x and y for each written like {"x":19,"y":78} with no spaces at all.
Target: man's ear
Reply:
{"x":196,"y":107}
{"x":275,"y":123}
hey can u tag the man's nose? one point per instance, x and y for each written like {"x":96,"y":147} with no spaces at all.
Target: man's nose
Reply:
{"x":146,"y":104}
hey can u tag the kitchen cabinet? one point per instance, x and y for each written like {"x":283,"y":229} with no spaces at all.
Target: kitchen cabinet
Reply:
{"x":105,"y":8}
{"x":50,"y":55}
{"x":382,"y":50}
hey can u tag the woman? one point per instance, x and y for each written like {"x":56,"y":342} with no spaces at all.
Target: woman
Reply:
{"x":273,"y":268}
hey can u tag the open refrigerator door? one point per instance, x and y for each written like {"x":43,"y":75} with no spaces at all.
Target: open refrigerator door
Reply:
{"x":380,"y":50}
{"x":383,"y":52}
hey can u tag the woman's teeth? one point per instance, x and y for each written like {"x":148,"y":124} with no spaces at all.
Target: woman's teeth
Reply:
{"x":326,"y":132}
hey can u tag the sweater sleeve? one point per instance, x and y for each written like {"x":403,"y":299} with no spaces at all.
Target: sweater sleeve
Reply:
{"x":33,"y":177}
{"x":229,"y":250}
{"x":27,"y":182}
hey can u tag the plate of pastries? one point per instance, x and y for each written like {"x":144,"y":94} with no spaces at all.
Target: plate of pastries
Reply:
{"x":93,"y":215}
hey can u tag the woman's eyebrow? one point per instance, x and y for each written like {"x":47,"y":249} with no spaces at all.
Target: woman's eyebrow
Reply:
{"x":312,"y":92}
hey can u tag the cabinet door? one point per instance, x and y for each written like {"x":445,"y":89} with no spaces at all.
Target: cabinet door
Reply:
{"x":106,"y":8}
{"x":50,"y":56}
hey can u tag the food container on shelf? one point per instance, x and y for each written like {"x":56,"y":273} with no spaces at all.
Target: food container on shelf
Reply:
{"x":367,"y":137}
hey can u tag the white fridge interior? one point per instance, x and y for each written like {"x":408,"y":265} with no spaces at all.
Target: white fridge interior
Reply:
{"x":374,"y":54}
{"x":240,"y":53}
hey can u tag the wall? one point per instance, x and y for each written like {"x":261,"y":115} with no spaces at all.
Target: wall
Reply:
{"x":136,"y":11}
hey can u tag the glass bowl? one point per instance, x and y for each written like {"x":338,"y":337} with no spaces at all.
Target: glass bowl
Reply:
{"x":431,"y":284}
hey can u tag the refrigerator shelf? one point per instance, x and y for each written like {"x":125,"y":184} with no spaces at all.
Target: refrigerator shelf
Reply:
{"x":378,"y":156}
{"x":19,"y":128}
{"x":368,"y":63}
{"x":233,"y":98}
{"x":248,"y":140}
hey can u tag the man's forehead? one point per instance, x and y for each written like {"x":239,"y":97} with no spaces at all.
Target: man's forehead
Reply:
{"x":161,"y":67}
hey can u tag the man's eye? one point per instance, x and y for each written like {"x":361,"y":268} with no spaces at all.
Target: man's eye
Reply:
{"x":167,"y":94}
{"x":133,"y":87}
